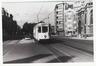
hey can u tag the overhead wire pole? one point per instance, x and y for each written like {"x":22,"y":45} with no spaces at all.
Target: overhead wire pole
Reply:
{"x":49,"y":15}
{"x":38,"y":14}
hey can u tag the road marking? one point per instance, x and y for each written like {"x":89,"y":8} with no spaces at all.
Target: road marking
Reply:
{"x":61,"y":57}
{"x":26,"y":41}
{"x":45,"y":59}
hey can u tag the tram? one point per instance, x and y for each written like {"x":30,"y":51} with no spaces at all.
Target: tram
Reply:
{"x":41,"y":31}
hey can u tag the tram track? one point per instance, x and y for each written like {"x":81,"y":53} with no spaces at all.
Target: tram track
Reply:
{"x":61,"y":57}
{"x":66,"y":55}
{"x":63,"y":42}
{"x":80,"y":49}
{"x":69,"y":54}
{"x":61,"y":52}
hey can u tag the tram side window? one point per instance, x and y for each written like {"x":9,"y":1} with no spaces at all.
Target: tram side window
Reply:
{"x":44,"y":29}
{"x":39,"y":29}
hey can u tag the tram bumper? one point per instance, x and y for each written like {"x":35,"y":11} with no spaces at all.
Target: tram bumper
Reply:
{"x":43,"y":37}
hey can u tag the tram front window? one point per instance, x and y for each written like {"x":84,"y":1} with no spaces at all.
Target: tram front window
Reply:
{"x":39,"y":29}
{"x":44,"y":29}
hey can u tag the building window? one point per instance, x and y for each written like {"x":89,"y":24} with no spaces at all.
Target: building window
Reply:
{"x":56,"y":22}
{"x":68,"y":6}
{"x":91,"y":17}
{"x":57,"y":26}
{"x":57,"y":17}
{"x":56,"y":12}
{"x":59,"y":22}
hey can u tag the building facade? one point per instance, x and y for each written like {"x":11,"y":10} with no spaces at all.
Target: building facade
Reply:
{"x":64,"y":18}
{"x":85,"y":15}
{"x":59,"y":18}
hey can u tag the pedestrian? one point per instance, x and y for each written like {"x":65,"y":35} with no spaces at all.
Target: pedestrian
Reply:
{"x":79,"y":29}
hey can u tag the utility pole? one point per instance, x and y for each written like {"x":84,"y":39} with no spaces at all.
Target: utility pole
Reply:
{"x":37,"y":19}
{"x":48,"y":19}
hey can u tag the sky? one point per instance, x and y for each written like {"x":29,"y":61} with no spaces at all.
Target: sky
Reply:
{"x":27,"y":11}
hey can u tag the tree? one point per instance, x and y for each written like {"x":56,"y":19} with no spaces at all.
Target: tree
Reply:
{"x":10,"y":27}
{"x":28,"y":28}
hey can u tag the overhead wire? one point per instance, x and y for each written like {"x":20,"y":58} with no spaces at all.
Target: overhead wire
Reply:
{"x":39,"y":13}
{"x":48,"y":15}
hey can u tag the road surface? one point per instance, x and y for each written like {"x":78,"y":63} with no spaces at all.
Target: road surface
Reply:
{"x":53,"y":51}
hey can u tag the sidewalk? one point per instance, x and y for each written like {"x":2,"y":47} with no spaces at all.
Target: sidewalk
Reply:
{"x":78,"y":38}
{"x":10,"y":42}
{"x":88,"y":38}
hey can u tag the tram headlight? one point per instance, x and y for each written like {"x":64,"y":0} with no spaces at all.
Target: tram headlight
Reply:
{"x":45,"y":36}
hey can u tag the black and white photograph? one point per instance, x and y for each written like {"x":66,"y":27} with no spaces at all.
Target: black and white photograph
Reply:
{"x":47,"y":31}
